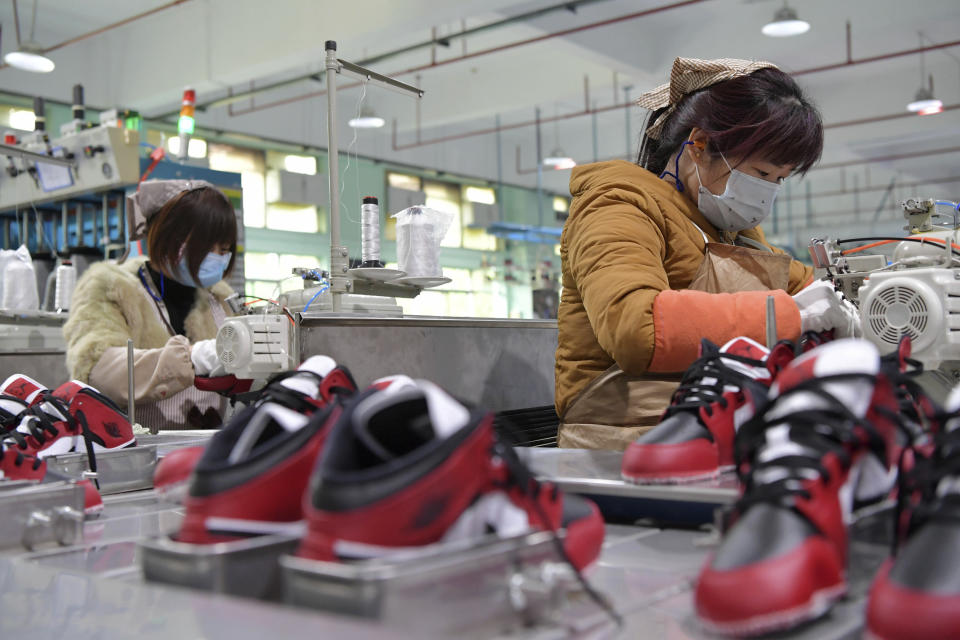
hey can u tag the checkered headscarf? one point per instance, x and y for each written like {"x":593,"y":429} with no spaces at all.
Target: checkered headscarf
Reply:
{"x":691,"y":74}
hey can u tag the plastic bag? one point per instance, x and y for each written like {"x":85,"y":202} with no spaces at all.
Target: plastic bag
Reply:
{"x":419,"y":232}
{"x":18,"y":280}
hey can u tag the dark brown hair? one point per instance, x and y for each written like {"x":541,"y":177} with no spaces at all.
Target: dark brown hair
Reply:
{"x":764,"y":113}
{"x":195,"y":221}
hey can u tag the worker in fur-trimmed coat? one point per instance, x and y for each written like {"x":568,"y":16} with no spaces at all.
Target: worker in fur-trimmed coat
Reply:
{"x":170,"y":305}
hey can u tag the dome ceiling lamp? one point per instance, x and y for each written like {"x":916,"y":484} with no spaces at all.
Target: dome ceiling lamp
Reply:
{"x":785,"y":23}
{"x":29,"y":56}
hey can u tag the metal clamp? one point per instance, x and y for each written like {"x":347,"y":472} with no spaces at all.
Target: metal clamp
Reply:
{"x":535,"y":592}
{"x":36,"y":528}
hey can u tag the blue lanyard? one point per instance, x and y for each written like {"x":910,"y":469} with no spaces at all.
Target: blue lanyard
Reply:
{"x":143,"y":279}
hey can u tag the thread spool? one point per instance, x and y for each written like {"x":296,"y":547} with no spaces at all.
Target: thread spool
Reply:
{"x":66,"y":281}
{"x":370,"y":233}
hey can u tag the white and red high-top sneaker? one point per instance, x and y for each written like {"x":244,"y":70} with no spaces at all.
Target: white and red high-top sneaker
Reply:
{"x":815,"y":449}
{"x":408,"y":467}
{"x":73,"y":417}
{"x":718,"y":393}
{"x":252,"y":474}
{"x":916,"y":593}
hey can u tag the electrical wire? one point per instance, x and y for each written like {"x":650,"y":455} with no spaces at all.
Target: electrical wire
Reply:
{"x":309,"y":302}
{"x":352,"y":145}
{"x":882,"y":240}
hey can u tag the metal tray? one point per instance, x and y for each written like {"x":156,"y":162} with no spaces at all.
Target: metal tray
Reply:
{"x":247,"y":568}
{"x":483,"y":589}
{"x":596,"y":474}
{"x":119,"y":470}
{"x":32,"y":514}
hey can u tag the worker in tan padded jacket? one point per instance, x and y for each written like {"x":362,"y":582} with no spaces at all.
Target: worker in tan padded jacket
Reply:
{"x":723,"y":136}
{"x":171,"y":305}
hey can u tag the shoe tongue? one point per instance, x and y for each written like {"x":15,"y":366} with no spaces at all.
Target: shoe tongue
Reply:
{"x":401,"y":418}
{"x":849,"y":356}
{"x":21,"y":386}
{"x":306,"y":384}
{"x":746,"y":348}
{"x":268,"y":421}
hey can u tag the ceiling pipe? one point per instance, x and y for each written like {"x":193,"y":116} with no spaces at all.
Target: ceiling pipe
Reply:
{"x":871,"y":120}
{"x":879,"y":187}
{"x":475,"y":54}
{"x":837,"y":125}
{"x":899,"y":156}
{"x":432,"y":43}
{"x":847,"y":63}
{"x":108,"y":27}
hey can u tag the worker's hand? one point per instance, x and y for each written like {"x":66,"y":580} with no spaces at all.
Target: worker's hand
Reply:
{"x":203,"y":354}
{"x":822,"y":308}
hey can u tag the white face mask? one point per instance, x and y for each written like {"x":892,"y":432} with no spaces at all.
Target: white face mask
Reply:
{"x":745,"y":202}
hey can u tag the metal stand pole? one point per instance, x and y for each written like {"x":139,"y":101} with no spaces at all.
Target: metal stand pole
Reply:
{"x":339,"y":263}
{"x":131,"y":387}
{"x":771,"y":322}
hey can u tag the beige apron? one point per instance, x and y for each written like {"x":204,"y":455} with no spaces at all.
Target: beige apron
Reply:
{"x":190,"y":408}
{"x":616,"y":408}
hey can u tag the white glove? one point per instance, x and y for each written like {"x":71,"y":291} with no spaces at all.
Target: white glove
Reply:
{"x":822,"y":308}
{"x":204,"y":357}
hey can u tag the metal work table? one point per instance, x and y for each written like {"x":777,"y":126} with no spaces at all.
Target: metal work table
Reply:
{"x":497,"y":364}
{"x":95,"y":589}
{"x":32,"y":343}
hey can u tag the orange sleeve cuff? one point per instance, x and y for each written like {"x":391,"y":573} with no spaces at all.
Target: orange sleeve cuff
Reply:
{"x":681,"y":318}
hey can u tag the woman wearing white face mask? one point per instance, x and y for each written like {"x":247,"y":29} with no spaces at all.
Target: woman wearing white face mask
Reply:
{"x":644,"y":243}
{"x":170,"y":304}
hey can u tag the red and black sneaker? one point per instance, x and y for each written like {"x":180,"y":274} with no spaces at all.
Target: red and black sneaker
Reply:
{"x":171,"y":477}
{"x":73,"y":417}
{"x":408,"y":467}
{"x":251,"y":477}
{"x":916,"y":593}
{"x":22,"y":387}
{"x":803,"y":461}
{"x":719,"y":392}
{"x":16,"y":465}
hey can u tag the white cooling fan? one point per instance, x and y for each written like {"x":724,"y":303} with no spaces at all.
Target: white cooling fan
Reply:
{"x":921,"y":303}
{"x":255,"y":345}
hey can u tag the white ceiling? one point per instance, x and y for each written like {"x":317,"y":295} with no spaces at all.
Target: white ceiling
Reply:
{"x":218,"y":46}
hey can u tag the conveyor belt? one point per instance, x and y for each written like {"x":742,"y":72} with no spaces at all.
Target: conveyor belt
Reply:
{"x":95,"y":589}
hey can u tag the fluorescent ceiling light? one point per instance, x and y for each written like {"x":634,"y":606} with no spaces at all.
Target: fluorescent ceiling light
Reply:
{"x":367,"y":120}
{"x":22,"y":119}
{"x":29,"y":57}
{"x":785,"y":23}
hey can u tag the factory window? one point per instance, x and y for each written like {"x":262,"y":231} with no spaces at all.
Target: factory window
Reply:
{"x":250,"y":164}
{"x":22,"y":119}
{"x":403,"y":181}
{"x":292,"y":217}
{"x":196,"y":148}
{"x":483,"y":195}
{"x":306,"y":165}
{"x":269,"y":274}
{"x":446,"y":197}
{"x":476,"y":222}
